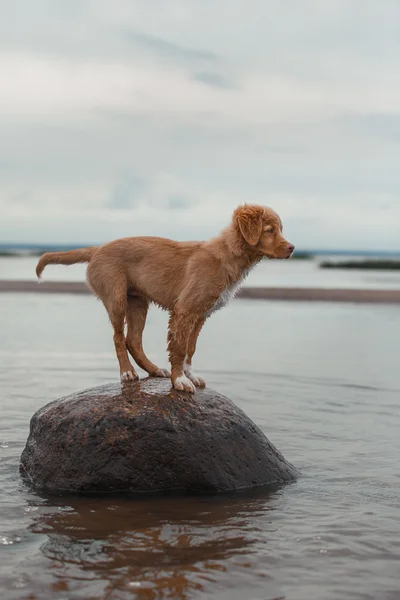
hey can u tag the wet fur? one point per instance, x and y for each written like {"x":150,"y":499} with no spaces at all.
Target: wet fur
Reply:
{"x":188,"y":279}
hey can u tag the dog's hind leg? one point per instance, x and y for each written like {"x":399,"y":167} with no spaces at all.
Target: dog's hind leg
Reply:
{"x":116,"y":306}
{"x":191,"y":349}
{"x":136,"y":319}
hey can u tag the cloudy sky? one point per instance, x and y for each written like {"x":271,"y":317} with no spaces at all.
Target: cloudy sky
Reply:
{"x":158,"y":117}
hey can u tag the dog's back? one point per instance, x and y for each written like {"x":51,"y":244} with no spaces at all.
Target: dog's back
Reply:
{"x":152,"y":266}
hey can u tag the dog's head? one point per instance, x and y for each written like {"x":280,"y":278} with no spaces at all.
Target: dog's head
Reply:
{"x":261,"y":228}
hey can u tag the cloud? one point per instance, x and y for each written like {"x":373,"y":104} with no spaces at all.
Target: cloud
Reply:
{"x":126,"y":193}
{"x":213,"y":79}
{"x":129,"y":117}
{"x":165,"y":49}
{"x":178,"y":201}
{"x":38,"y":85}
{"x":385,"y":126}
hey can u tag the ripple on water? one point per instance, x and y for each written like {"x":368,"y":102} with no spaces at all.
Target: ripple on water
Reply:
{"x":321,"y":381}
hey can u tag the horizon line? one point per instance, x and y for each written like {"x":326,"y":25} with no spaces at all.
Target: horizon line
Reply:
{"x":72,"y":246}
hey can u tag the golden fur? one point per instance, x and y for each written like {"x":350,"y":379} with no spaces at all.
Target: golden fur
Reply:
{"x":189,"y":279}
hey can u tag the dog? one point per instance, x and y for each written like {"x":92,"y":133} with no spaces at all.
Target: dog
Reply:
{"x":191,"y":280}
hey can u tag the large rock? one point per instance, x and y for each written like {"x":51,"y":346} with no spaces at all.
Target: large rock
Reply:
{"x":146,"y":437}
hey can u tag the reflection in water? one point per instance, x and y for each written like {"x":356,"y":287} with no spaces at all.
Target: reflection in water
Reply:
{"x":328,"y":396}
{"x":152,"y":548}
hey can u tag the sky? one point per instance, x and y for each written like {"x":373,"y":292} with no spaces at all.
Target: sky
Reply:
{"x":157,"y":117}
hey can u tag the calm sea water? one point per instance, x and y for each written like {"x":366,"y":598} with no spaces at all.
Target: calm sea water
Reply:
{"x":321,"y":380}
{"x":271,"y":273}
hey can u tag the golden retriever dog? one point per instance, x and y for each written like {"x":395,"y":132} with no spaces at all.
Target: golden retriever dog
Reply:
{"x":191,"y":280}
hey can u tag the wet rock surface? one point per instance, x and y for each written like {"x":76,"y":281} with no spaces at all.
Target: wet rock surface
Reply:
{"x":146,"y":437}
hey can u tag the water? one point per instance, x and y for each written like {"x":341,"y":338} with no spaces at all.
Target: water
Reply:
{"x":321,"y":380}
{"x":270,"y":273}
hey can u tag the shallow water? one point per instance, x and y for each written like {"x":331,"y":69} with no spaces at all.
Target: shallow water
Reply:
{"x":321,"y":380}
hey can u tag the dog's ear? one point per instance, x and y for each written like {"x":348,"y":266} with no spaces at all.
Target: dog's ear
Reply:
{"x":250,"y":222}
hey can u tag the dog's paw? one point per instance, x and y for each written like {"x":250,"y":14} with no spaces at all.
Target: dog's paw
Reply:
{"x":129,"y":376}
{"x":183,"y":384}
{"x":161,"y":373}
{"x":198,"y":381}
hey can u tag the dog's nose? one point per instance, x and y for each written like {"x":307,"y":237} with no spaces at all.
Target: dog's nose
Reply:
{"x":291,"y":248}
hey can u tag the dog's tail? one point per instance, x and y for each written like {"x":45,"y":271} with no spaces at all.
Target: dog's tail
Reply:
{"x":83,"y":255}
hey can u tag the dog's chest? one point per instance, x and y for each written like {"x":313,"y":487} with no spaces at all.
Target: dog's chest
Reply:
{"x":226,"y":296}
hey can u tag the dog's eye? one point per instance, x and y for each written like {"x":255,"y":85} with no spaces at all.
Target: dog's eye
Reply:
{"x":270,"y":230}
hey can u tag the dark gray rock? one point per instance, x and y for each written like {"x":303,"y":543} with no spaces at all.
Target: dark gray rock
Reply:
{"x":147,"y":437}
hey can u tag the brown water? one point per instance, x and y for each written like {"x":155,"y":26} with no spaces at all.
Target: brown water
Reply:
{"x":323,"y":383}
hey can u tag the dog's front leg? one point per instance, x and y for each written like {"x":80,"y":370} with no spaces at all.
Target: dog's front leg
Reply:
{"x":191,"y":349}
{"x":181,"y":326}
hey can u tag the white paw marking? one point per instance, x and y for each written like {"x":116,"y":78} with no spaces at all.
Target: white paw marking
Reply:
{"x":184,"y":384}
{"x":202,"y":383}
{"x":198,"y":381}
{"x":194,"y":379}
{"x":162,"y":373}
{"x":128,"y":376}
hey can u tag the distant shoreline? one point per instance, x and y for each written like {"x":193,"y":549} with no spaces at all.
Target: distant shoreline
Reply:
{"x":366,"y":264}
{"x":365,"y":296}
{"x":10,"y":250}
